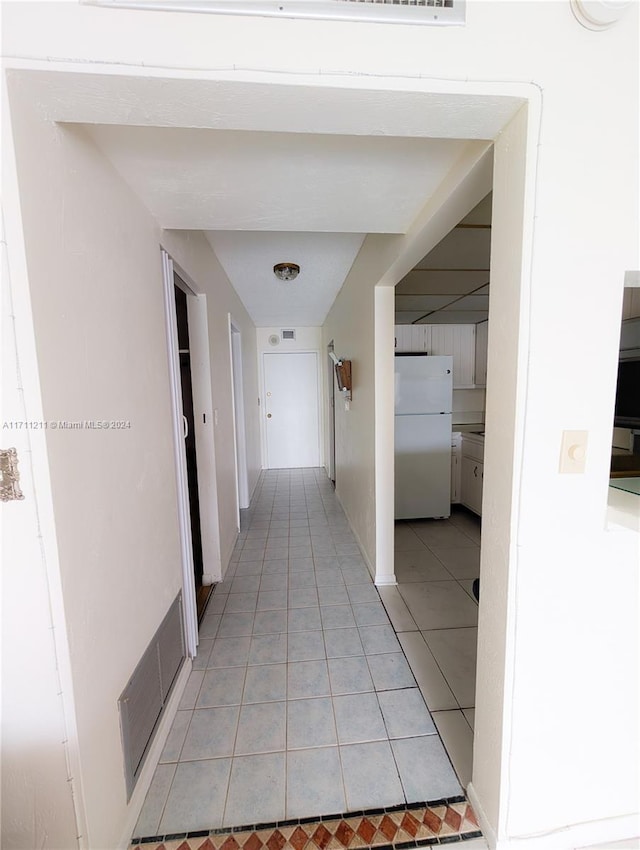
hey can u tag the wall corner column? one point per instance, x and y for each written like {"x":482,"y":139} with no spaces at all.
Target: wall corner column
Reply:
{"x":384,"y":311}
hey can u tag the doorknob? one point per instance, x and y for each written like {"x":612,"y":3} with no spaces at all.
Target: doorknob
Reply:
{"x":268,"y":416}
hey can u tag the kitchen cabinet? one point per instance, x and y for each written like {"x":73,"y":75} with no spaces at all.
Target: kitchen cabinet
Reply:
{"x":471,"y":484}
{"x":460,"y":342}
{"x":472,"y":472}
{"x":482,"y":339}
{"x":416,"y":338}
{"x":630,"y":334}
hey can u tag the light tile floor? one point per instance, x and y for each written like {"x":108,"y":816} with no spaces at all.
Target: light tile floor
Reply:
{"x":301,"y":701}
{"x":435,"y":615}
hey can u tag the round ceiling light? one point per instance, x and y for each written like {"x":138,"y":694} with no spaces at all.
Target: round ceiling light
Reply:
{"x":286,"y":271}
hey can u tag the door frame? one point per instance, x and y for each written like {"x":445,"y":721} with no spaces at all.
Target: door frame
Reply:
{"x":207,"y":491}
{"x":319,"y":395}
{"x":237,"y":408}
{"x":331,"y":414}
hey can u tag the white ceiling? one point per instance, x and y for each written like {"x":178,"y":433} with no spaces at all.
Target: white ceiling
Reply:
{"x":264,"y":197}
{"x":238,"y":180}
{"x":248,"y":259}
{"x":209,"y":151}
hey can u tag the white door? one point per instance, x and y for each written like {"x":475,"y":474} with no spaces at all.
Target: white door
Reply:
{"x":291,"y":410}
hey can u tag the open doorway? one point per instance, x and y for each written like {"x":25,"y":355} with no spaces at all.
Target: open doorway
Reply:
{"x":187,"y":337}
{"x":181,"y":294}
{"x":441,"y":314}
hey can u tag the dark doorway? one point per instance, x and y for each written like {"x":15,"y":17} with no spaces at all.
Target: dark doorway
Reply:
{"x":182,"y":318}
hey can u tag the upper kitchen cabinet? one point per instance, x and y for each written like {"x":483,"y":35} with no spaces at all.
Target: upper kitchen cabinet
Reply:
{"x":460,"y":342}
{"x":482,"y":339}
{"x":414,"y":338}
{"x":457,"y":340}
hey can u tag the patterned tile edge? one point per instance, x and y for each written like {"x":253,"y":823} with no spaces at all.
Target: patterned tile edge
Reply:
{"x":393,"y":828}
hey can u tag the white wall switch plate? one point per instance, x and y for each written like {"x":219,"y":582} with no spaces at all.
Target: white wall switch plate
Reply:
{"x":573,"y":451}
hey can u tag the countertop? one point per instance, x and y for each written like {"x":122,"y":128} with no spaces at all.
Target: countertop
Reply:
{"x":467,"y":428}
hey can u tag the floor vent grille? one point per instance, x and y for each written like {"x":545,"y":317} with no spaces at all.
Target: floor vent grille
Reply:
{"x":145,"y":696}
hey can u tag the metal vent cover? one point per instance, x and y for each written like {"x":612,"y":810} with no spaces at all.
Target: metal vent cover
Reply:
{"x":145,"y":696}
{"x":288,"y":334}
{"x":430,"y":12}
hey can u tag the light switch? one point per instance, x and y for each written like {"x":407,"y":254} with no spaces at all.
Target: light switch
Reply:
{"x":573,"y":451}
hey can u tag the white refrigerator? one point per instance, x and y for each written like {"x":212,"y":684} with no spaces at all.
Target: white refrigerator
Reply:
{"x":423,"y":401}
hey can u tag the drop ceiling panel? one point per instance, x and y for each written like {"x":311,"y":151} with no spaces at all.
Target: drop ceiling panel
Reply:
{"x":462,"y":248}
{"x":461,"y":317}
{"x":441,"y":282}
{"x":422,"y":302}
{"x":455,"y":317}
{"x":408,"y":318}
{"x":480,"y":214}
{"x":471,"y":302}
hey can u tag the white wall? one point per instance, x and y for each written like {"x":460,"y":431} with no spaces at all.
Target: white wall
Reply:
{"x":468,"y":406}
{"x":350,"y":324}
{"x":93,"y":260}
{"x":98,"y":315}
{"x":37,"y":796}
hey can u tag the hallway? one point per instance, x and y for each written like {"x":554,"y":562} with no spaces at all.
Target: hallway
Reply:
{"x":301,"y":702}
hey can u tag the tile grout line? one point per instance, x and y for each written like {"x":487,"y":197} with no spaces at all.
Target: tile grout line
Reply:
{"x":332,"y":528}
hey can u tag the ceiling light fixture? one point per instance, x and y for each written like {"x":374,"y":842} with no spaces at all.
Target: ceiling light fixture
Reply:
{"x":286,"y":271}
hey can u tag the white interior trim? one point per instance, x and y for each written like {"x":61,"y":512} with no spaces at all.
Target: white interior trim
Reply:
{"x":184,"y":521}
{"x":203,"y":426}
{"x":15,"y":285}
{"x":384,"y":315}
{"x":330,"y":406}
{"x":239,"y":415}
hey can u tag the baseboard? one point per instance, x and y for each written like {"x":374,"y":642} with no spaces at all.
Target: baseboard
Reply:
{"x":385,"y":582}
{"x":580,"y":836}
{"x":226,"y":559}
{"x":153,"y":756}
{"x":485,"y":826}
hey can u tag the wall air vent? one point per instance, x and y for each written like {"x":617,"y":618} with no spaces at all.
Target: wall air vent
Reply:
{"x":432,"y":12}
{"x":147,"y":691}
{"x":288,"y":334}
